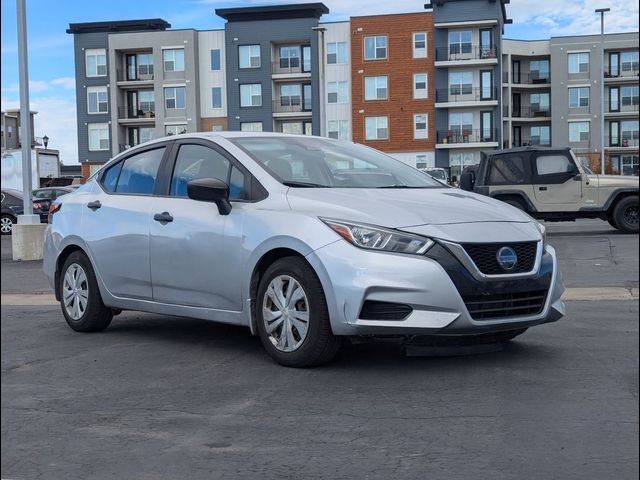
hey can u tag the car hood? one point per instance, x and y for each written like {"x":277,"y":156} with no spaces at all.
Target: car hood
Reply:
{"x":402,"y":208}
{"x":617,"y":181}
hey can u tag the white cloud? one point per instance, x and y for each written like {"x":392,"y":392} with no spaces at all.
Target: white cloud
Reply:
{"x":56,"y":118}
{"x":64,"y":82}
{"x":39,"y":86}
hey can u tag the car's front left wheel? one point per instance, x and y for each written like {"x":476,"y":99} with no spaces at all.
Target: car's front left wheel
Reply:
{"x":292,"y":315}
{"x":80,"y":298}
{"x":6,"y":223}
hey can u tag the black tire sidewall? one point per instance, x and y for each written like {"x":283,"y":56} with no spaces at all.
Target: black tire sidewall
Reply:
{"x":13,"y":222}
{"x":618,"y":215}
{"x":319,"y":325}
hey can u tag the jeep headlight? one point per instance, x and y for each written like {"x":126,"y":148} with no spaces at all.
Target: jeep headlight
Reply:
{"x":379,"y":238}
{"x":543,"y":231}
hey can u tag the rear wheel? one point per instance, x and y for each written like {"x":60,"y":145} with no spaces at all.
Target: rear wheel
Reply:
{"x":292,"y":315}
{"x":80,"y":298}
{"x":625,"y":215}
{"x":7,"y":222}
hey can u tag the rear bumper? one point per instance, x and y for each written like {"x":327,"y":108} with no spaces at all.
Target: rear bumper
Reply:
{"x":433,"y":286}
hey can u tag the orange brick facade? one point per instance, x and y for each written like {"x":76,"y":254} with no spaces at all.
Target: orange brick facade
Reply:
{"x":207,"y":123}
{"x":399,"y":66}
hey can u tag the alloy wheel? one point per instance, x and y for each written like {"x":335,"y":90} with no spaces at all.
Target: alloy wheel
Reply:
{"x":285,"y":312}
{"x":631,"y":215}
{"x":6,"y":225}
{"x":75,"y":291}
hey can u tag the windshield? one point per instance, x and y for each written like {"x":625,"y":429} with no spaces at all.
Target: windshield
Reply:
{"x":314,"y":162}
{"x":439,"y":174}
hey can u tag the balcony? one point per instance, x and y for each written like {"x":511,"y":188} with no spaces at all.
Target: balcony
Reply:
{"x":466,"y":54}
{"x":628,"y":140}
{"x":292,"y":106}
{"x":465,"y":96}
{"x":624,"y":107}
{"x":290,"y":68}
{"x":142,"y":115}
{"x":127,"y":79}
{"x":630,"y":74}
{"x":467,"y":138}
{"x":529,"y":113}
{"x":528,"y":79}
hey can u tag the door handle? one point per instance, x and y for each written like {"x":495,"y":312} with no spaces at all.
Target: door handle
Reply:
{"x":542,"y":189}
{"x":94,"y":205}
{"x":163,"y":218}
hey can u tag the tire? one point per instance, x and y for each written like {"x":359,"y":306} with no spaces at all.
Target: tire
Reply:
{"x":7,"y":222}
{"x":293,"y":278}
{"x":612,"y":222}
{"x":625,"y":215}
{"x":90,"y":314}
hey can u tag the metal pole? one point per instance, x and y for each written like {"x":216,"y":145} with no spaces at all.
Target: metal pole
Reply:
{"x":602,"y":11}
{"x":25,"y":112}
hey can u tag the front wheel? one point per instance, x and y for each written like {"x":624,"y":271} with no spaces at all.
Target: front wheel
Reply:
{"x":6,"y":223}
{"x":292,"y":315}
{"x":80,"y":298}
{"x":625,"y":215}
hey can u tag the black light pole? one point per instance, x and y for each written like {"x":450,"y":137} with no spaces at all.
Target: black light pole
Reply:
{"x":45,"y":141}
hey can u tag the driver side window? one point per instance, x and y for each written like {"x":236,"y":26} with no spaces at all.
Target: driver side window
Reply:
{"x":554,"y":164}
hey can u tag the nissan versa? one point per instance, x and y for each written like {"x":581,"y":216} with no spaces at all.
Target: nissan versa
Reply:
{"x":304,"y":240}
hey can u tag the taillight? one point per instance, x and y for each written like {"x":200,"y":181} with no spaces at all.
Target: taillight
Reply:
{"x":37,"y":206}
{"x":53,"y":208}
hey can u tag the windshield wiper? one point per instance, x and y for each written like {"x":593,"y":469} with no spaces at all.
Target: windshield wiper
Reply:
{"x":293,"y":183}
{"x":400,"y":186}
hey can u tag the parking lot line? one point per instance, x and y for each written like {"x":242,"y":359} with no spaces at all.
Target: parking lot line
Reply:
{"x":588,"y":294}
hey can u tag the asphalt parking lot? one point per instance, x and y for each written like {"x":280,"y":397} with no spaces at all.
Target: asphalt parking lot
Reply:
{"x":167,"y":397}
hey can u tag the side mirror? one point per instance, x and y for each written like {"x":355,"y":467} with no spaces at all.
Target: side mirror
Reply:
{"x":210,"y":190}
{"x":467,"y":181}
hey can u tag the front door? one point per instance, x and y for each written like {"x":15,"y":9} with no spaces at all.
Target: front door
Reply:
{"x":196,"y":252}
{"x":557,"y":181}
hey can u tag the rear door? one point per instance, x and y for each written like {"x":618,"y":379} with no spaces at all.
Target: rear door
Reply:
{"x":557,"y":181}
{"x":115,"y":222}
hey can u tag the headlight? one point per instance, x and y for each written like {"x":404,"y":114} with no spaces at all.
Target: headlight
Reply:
{"x":543,"y":231}
{"x":379,"y":238}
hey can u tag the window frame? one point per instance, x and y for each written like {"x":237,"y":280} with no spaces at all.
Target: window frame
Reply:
{"x":215,"y":57}
{"x":581,"y":97}
{"x":108,"y":129}
{"x":579,"y":132}
{"x":174,"y":98}
{"x":426,"y":126}
{"x":376,"y":88}
{"x":426,"y":86}
{"x":416,"y":50}
{"x":337,"y":53}
{"x":251,"y":95}
{"x":97,"y":90}
{"x":375,"y":47}
{"x":579,"y":54}
{"x":377,"y":139}
{"x":250,"y":46}
{"x":87,"y":54}
{"x":173,"y":51}
{"x":213,"y":97}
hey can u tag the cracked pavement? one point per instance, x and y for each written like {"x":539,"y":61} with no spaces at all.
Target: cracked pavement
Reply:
{"x":158,"y":397}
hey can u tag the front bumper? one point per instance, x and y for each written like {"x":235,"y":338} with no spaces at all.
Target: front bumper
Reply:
{"x":432,"y":285}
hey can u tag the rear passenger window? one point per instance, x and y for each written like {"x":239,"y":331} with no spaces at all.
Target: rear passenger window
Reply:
{"x":198,"y":161}
{"x":554,"y":164}
{"x":508,"y":170}
{"x":139,"y":172}
{"x":110,"y":177}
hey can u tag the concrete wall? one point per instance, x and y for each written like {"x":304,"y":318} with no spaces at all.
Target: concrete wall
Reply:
{"x":207,"y":41}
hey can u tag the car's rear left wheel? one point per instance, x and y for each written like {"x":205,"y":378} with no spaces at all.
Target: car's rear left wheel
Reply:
{"x":6,"y":223}
{"x":80,"y":298}
{"x":292,"y":315}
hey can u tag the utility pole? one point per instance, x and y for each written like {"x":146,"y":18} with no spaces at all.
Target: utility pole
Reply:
{"x":602,"y":11}
{"x":321,"y":91}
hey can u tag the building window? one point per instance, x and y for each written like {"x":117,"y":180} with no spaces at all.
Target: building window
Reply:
{"x":146,"y":101}
{"x":376,"y":128}
{"x":250,"y":126}
{"x":97,"y":101}
{"x":337,"y":53}
{"x":173,"y":60}
{"x":375,"y":88}
{"x":217,"y":128}
{"x":420,"y":45}
{"x":460,"y":42}
{"x":215,"y":59}
{"x":578,"y":97}
{"x":216,"y":97}
{"x":420,"y":131}
{"x":578,"y":132}
{"x":249,"y":56}
{"x":578,"y":62}
{"x":290,"y":94}
{"x":540,"y":103}
{"x":460,"y":83}
{"x":138,"y":135}
{"x":539,"y":71}
{"x":629,"y":62}
{"x":96,"y":62}
{"x":629,"y":96}
{"x":629,"y":133}
{"x":251,"y":95}
{"x":174,"y":97}
{"x":630,"y":165}
{"x":337,"y":92}
{"x":541,"y":135}
{"x":338,"y":129}
{"x":175,"y":129}
{"x":614,"y":134}
{"x":421,"y":161}
{"x":289,"y":57}
{"x":420,"y":86}
{"x":98,"y":137}
{"x":461,"y":123}
{"x":486,"y":85}
{"x":375,"y":48}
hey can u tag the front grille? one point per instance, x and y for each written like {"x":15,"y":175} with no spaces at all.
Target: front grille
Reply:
{"x":484,"y":255}
{"x":502,"y":305}
{"x":373,"y":310}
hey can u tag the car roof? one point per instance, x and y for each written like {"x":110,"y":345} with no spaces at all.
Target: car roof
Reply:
{"x":13,"y":191}
{"x":524,"y":149}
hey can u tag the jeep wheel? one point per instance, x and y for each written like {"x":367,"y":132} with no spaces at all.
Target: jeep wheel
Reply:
{"x":625,"y":215}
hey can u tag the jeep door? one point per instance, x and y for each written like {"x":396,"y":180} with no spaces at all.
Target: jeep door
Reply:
{"x":557,"y":182}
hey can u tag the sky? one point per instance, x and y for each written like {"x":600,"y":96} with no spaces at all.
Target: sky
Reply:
{"x":51,"y":68}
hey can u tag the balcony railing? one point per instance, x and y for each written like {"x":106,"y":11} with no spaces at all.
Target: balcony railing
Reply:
{"x":527,"y":112}
{"x":528,"y":78}
{"x":131,"y":113}
{"x":292,"y":105}
{"x":290,"y":65}
{"x":466,"y":94}
{"x":465,"y":51}
{"x":625,"y":105}
{"x":467,"y":136}
{"x":623,"y":141}
{"x":633,"y":71}
{"x":140,"y":75}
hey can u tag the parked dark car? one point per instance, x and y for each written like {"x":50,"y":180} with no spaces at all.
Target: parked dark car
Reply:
{"x":51,"y":193}
{"x":12,"y":207}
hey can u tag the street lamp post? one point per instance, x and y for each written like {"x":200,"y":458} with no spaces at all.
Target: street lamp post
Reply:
{"x":602,"y":11}
{"x":321,"y":94}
